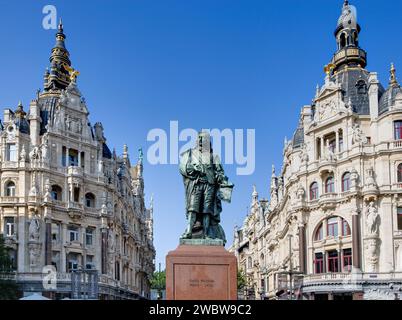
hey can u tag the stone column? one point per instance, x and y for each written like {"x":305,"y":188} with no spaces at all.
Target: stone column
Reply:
{"x":67,"y":160}
{"x":84,"y":246}
{"x":104,"y":250}
{"x":356,"y":242}
{"x":322,"y":147}
{"x":339,"y":260}
{"x":63,"y":240}
{"x":337,"y":141}
{"x":48,"y":242}
{"x":22,"y":266}
{"x":302,"y":248}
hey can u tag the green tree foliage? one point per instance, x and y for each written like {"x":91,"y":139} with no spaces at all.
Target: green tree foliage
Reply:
{"x":8,"y":287}
{"x":241,"y":280}
{"x":158,"y":281}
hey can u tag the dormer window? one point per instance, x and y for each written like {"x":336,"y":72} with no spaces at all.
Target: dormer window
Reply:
{"x":361,"y":87}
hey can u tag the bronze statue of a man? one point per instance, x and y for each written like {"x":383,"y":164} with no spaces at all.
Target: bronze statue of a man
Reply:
{"x":205,"y":185}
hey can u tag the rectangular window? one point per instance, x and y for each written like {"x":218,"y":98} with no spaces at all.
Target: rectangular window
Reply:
{"x":73,"y":157}
{"x":398,"y":130}
{"x":72,"y":265}
{"x":76,"y":194}
{"x":399,"y":217}
{"x":73,"y":234}
{"x":9,"y":226}
{"x":332,"y":146}
{"x":340,"y":145}
{"x":333,"y":261}
{"x":89,"y":264}
{"x":63,"y":156}
{"x":11,"y":152}
{"x":347,"y":260}
{"x":82,"y":160}
{"x":89,"y":236}
{"x":332,"y":227}
{"x":319,"y":263}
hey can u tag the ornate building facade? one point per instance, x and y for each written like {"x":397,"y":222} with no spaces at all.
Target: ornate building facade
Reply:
{"x":67,"y":202}
{"x":334,"y":218}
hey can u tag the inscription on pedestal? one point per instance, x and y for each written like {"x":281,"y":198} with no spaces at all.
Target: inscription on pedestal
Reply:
{"x":196,"y":272}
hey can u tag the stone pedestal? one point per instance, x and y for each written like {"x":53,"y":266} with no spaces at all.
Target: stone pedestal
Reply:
{"x":204,"y":271}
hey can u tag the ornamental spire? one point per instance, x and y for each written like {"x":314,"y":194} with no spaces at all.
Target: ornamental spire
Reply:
{"x":60,"y":64}
{"x":393,"y":80}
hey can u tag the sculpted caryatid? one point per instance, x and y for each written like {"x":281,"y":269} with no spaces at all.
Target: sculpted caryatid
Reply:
{"x":206,"y":185}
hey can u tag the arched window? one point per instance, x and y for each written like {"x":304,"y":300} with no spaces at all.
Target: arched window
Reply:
{"x":346,"y":182}
{"x":90,"y":200}
{"x":319,"y":234}
{"x":314,"y":191}
{"x":10,"y":189}
{"x":249,"y":262}
{"x":329,"y":185}
{"x":57,"y":193}
{"x":400,"y":172}
{"x":343,"y":40}
{"x":345,"y":228}
{"x":262,"y":260}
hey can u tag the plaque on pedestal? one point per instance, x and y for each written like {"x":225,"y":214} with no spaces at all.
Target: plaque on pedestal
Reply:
{"x":201,"y":272}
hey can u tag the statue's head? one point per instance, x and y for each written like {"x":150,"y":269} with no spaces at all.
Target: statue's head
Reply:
{"x":204,"y":142}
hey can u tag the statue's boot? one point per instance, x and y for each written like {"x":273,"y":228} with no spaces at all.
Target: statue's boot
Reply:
{"x":191,"y":220}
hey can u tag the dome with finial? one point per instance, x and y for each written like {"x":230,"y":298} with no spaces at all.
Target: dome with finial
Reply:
{"x":393,"y":92}
{"x":349,"y":54}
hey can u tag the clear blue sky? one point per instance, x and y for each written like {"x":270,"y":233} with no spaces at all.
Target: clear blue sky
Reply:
{"x":250,"y":64}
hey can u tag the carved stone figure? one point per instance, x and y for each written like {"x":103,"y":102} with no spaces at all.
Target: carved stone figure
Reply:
{"x":372,"y":220}
{"x":58,"y":119}
{"x":34,"y":229}
{"x":47,"y":196}
{"x":300,"y":193}
{"x":79,"y":126}
{"x":370,"y":179}
{"x":34,"y":254}
{"x":304,"y":155}
{"x":330,"y":153}
{"x":372,"y":256}
{"x":206,"y":186}
{"x":111,"y":241}
{"x":34,"y":155}
{"x":68,"y":122}
{"x":23,"y":154}
{"x":358,"y":136}
{"x":100,"y":166}
{"x":45,"y":148}
{"x":354,"y":178}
